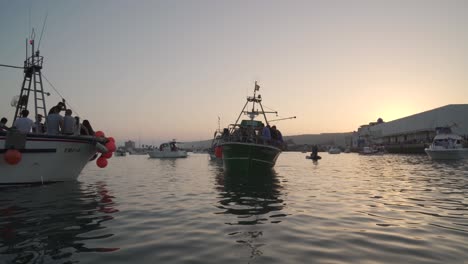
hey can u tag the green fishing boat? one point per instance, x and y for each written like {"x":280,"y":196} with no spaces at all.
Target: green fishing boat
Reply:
{"x":251,"y":144}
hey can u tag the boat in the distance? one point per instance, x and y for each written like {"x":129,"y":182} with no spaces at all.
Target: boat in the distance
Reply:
{"x":371,"y":151}
{"x":27,"y":158}
{"x":312,"y":157}
{"x":446,"y":145}
{"x":334,"y":150}
{"x":215,"y":150}
{"x":243,"y":146}
{"x":169,"y":149}
{"x":120,"y":152}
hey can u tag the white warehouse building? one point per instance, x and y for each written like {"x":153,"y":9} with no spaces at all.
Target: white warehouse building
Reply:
{"x":411,"y":134}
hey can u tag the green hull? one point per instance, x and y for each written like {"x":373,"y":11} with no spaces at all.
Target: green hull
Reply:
{"x":238,"y":156}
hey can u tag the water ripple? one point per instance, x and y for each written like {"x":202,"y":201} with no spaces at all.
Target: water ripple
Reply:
{"x":345,"y":208}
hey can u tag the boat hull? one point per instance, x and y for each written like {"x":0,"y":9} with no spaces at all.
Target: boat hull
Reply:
{"x":447,"y":154}
{"x":156,"y":154}
{"x":47,"y":159}
{"x":249,"y":156}
{"x":120,"y":154}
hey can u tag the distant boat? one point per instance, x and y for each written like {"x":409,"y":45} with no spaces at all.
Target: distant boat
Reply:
{"x":215,"y":150}
{"x":168,"y":150}
{"x":334,"y":150}
{"x":317,"y":157}
{"x":371,"y":151}
{"x":42,"y":158}
{"x":121,"y":152}
{"x":446,"y":145}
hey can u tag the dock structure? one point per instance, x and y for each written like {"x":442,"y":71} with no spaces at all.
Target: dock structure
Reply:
{"x":413,"y":133}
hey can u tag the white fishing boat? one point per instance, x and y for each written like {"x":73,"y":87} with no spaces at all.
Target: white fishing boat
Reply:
{"x":168,"y":150}
{"x":446,"y":146}
{"x":27,"y":158}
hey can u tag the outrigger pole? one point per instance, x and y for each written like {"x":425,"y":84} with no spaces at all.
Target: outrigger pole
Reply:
{"x":292,"y":117}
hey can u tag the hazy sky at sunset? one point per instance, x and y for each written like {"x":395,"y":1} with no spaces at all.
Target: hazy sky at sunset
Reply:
{"x":158,"y":70}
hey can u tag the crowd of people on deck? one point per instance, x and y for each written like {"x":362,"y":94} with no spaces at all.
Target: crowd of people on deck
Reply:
{"x":55,"y":123}
{"x":263,"y":135}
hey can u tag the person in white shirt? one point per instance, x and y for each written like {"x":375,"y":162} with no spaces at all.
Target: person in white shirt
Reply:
{"x":23,"y":123}
{"x":38,"y":126}
{"x":68,"y":123}
{"x":54,"y":121}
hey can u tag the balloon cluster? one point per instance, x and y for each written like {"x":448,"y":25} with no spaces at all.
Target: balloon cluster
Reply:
{"x":110,"y":146}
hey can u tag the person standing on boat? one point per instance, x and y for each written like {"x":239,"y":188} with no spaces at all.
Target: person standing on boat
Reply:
{"x":314,"y":153}
{"x":3,"y":122}
{"x":54,"y":121}
{"x":266,"y":134}
{"x":38,"y":126}
{"x":88,"y":128}
{"x":68,"y":123}
{"x":276,"y":136}
{"x":79,"y":128}
{"x":24,"y":124}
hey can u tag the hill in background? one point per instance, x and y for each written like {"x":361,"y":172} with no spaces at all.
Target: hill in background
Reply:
{"x":296,"y":142}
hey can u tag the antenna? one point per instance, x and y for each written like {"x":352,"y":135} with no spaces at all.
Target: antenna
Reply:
{"x":42,"y":31}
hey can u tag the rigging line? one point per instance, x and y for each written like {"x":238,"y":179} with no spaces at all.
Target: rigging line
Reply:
{"x":269,"y":108}
{"x":53,"y":87}
{"x":11,"y":66}
{"x":43,"y":27}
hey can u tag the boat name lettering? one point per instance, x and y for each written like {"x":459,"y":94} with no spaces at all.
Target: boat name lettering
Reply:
{"x":67,"y":150}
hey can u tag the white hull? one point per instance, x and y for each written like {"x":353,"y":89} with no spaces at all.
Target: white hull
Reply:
{"x":447,"y":154}
{"x":47,"y":159}
{"x":334,"y":151}
{"x":168,"y":154}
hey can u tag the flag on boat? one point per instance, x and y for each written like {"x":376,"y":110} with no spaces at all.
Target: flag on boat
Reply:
{"x":257,"y":87}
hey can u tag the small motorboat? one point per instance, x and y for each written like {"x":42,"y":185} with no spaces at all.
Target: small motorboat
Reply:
{"x":371,"y":151}
{"x":316,"y":157}
{"x":446,"y":146}
{"x":334,"y":150}
{"x":168,"y":150}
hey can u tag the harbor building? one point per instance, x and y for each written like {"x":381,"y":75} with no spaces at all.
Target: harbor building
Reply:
{"x":413,"y":133}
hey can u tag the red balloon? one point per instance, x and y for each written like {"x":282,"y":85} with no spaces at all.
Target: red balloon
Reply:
{"x":111,"y":146}
{"x":99,"y":134}
{"x":111,"y":139}
{"x":12,"y":156}
{"x":107,"y":155}
{"x":219,"y":152}
{"x":101,"y":162}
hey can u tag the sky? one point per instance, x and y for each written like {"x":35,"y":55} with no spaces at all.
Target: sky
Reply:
{"x":151,"y":71}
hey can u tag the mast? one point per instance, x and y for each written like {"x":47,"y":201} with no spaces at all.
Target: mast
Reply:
{"x":255,"y":99}
{"x":32,"y":81}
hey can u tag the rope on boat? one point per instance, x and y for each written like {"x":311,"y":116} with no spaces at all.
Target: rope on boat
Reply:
{"x":53,"y":87}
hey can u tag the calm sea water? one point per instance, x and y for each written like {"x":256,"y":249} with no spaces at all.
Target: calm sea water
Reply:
{"x":344,"y":209}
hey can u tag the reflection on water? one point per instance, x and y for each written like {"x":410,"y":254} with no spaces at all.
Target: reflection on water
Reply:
{"x":40,"y":224}
{"x":250,"y":200}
